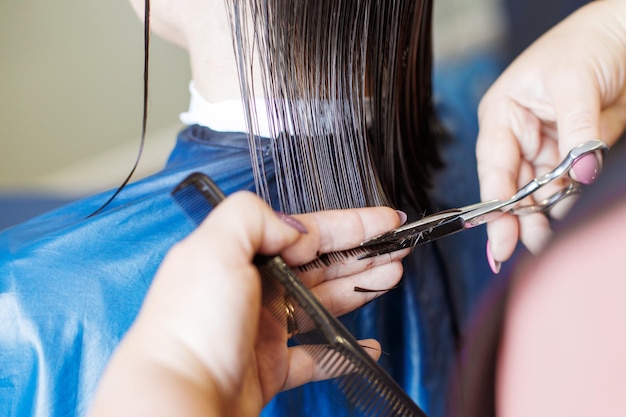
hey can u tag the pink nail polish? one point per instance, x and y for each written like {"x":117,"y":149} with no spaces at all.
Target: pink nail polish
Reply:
{"x":493,"y":264}
{"x":586,"y":169}
{"x":402,"y":216}
{"x":293,"y":222}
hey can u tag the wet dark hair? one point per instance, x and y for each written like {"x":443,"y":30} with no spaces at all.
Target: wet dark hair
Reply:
{"x":144,"y":117}
{"x":319,"y":60}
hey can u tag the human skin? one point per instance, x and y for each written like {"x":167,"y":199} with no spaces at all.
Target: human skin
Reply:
{"x":201,"y":27}
{"x":567,"y":88}
{"x":202,"y":343}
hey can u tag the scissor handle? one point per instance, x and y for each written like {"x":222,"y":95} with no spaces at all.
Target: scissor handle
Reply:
{"x":484,"y":212}
{"x":546,"y":205}
{"x":563,"y":168}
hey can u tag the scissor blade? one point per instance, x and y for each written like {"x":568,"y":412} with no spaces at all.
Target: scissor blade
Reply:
{"x":423,"y":231}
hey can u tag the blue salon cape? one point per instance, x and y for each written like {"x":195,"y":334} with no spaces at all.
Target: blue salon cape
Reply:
{"x":71,"y":285}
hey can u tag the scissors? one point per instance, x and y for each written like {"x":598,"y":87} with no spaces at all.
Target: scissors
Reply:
{"x":451,"y":221}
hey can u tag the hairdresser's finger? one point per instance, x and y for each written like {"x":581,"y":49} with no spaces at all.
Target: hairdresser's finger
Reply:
{"x":222,"y":246}
{"x":304,"y":368}
{"x":535,"y":232}
{"x":498,"y":155}
{"x":211,"y":272}
{"x":344,"y":264}
{"x":240,"y":227}
{"x":578,"y":119}
{"x":342,"y":295}
{"x":545,"y":161}
{"x":336,"y":230}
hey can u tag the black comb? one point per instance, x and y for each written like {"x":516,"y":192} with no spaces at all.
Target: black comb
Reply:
{"x":362,"y":380}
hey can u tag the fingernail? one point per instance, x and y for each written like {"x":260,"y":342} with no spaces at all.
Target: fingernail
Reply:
{"x":293,"y":222}
{"x":402,"y":216}
{"x":493,"y":264}
{"x":586,"y":169}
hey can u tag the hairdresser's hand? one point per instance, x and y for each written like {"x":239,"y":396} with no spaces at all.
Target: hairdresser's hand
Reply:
{"x":203,"y":345}
{"x":565,"y":89}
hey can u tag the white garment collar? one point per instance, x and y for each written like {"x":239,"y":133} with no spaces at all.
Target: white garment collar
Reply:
{"x":223,"y":116}
{"x":229,"y":115}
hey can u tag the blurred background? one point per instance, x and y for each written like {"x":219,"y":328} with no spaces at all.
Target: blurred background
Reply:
{"x":71,"y":82}
{"x":71,"y":77}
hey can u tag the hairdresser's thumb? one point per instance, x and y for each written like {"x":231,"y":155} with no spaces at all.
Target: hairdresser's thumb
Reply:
{"x":578,"y":121}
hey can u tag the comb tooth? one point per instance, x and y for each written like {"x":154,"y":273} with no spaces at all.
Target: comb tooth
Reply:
{"x":378,"y":401}
{"x":350,"y":385}
{"x":393,"y":407}
{"x":375,"y":398}
{"x":339,"y":365}
{"x":318,"y":351}
{"x":366,"y":403}
{"x":386,"y":405}
{"x":358,"y":387}
{"x":328,"y":259}
{"x":364,"y":395}
{"x":326,"y":361}
{"x":378,"y":406}
{"x":195,"y":206}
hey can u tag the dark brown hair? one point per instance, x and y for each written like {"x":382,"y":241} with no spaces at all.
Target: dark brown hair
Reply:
{"x":348,"y":91}
{"x":320,"y":59}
